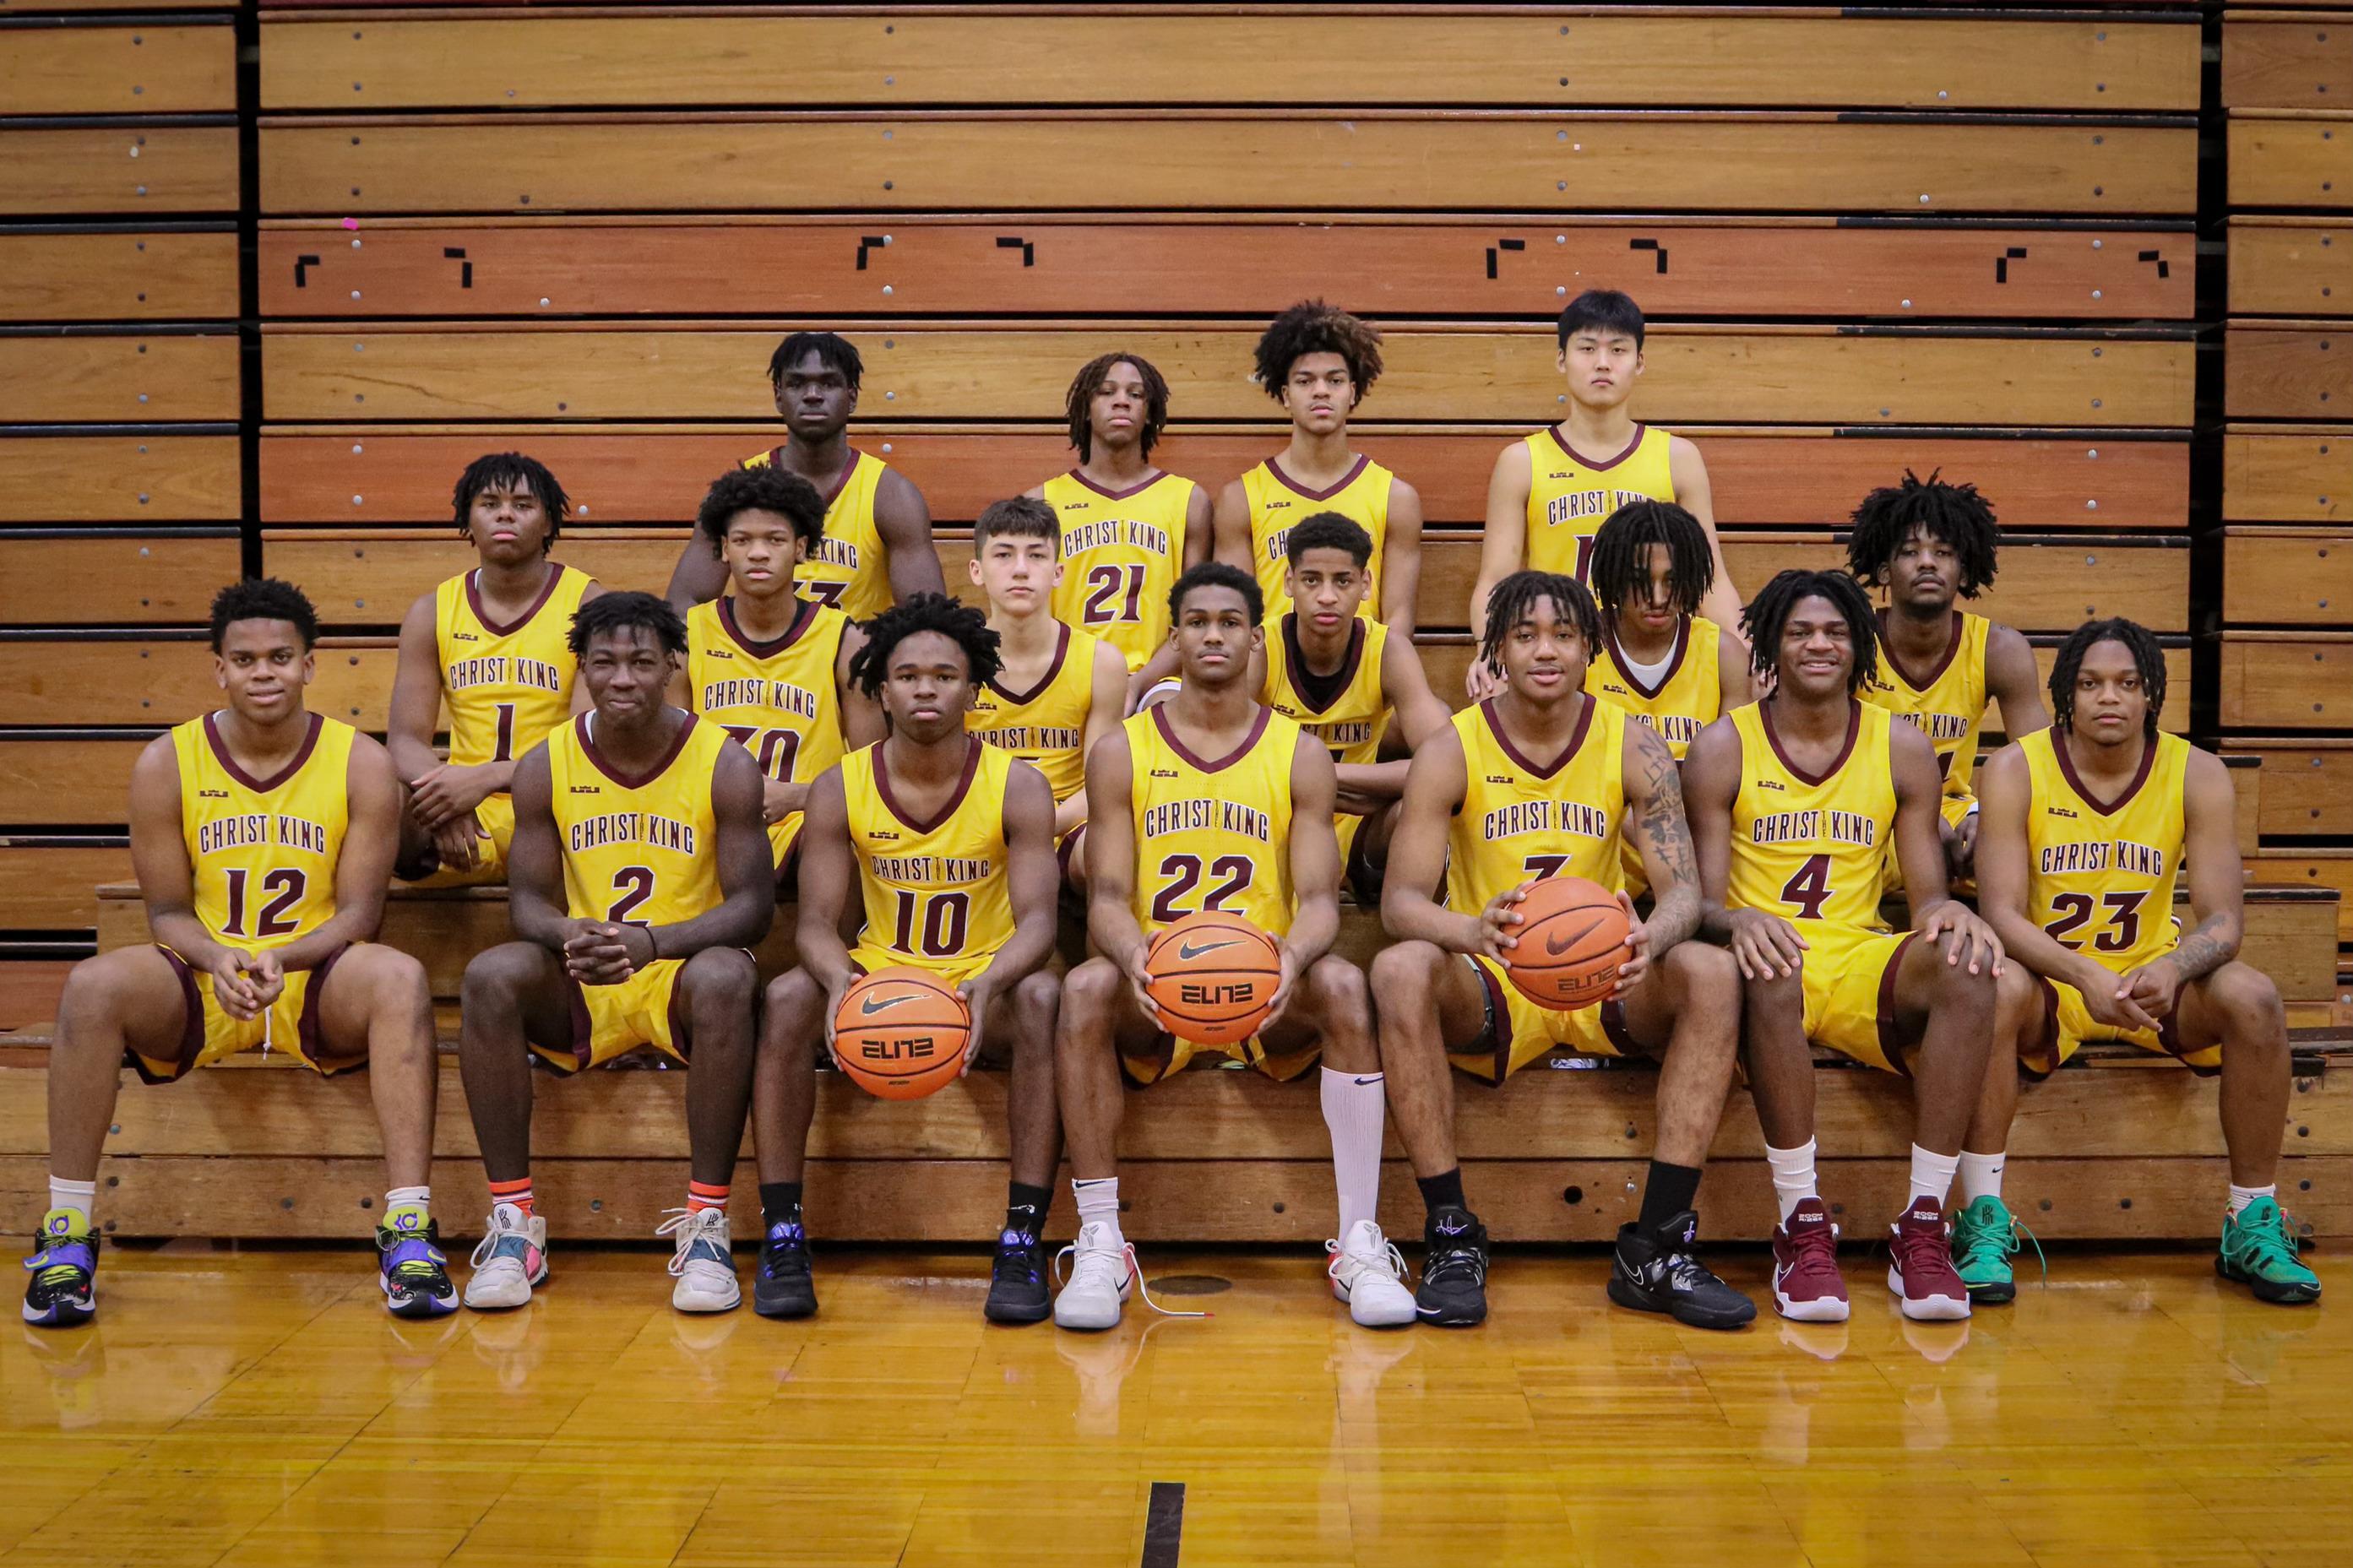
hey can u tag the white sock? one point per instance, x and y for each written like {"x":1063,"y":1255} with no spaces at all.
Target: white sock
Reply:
{"x":2240,"y":1196}
{"x":1793,"y":1175}
{"x":79,"y":1196}
{"x":1981,"y":1176}
{"x":1932,"y":1175}
{"x":408,"y":1198}
{"x":1355,"y":1111}
{"x":1099,"y":1203}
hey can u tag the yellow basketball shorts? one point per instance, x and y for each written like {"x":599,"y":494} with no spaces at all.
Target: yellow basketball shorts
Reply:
{"x":644,"y":1012}
{"x":1168,"y":1056}
{"x":208,"y":1033}
{"x":2068,"y":1025}
{"x":952,"y":972}
{"x":1849,"y":982}
{"x":783,"y":841}
{"x":495,"y":817}
{"x":1519,"y":1031}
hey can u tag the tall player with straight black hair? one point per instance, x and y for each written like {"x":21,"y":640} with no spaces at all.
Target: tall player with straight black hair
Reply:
{"x":878,"y":530}
{"x":1796,"y":802}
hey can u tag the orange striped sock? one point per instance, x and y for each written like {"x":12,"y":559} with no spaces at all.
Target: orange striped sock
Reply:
{"x":701,"y":1196}
{"x":515,"y":1192}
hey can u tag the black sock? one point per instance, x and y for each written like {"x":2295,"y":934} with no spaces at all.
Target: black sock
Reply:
{"x":1443,"y":1191}
{"x":1025,"y":1207}
{"x":1670,"y":1190}
{"x":779,"y":1202}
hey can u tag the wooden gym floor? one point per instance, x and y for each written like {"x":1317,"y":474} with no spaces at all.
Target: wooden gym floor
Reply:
{"x":258,"y":1406}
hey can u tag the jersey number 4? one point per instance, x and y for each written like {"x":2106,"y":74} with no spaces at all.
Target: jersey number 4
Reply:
{"x":1182,"y":874}
{"x":2073,"y":909}
{"x":1809,"y":888}
{"x":283,"y":890}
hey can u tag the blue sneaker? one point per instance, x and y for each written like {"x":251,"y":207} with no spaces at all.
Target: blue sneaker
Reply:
{"x":415,"y":1275}
{"x":64,"y":1289}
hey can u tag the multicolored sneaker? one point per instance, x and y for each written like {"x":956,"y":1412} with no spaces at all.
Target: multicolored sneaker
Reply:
{"x":1920,"y":1264}
{"x":703,"y":1263}
{"x":1807,"y":1287}
{"x":414,"y":1273}
{"x":510,"y":1261}
{"x":2258,"y":1250}
{"x":64,"y":1266}
{"x":1984,"y":1238}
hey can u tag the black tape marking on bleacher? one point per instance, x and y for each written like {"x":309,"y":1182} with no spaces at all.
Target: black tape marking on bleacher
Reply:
{"x":1164,"y":1525}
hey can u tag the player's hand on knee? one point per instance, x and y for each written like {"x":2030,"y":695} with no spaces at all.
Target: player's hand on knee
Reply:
{"x":1637,"y":948}
{"x":1967,"y":938}
{"x":1766,"y":946}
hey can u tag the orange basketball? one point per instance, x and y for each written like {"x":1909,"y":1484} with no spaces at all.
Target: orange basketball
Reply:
{"x":1212,"y":976}
{"x":1571,"y":939}
{"x":901,"y":1033}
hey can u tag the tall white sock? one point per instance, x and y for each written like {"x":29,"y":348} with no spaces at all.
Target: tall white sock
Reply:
{"x":2240,"y":1196}
{"x":1355,"y":1111}
{"x":1793,"y":1175}
{"x":1981,"y":1176}
{"x":1932,"y":1175}
{"x":1098,"y":1203}
{"x":78,"y":1196}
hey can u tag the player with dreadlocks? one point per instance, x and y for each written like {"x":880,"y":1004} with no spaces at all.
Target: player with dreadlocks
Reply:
{"x":1551,"y":491}
{"x":1544,"y":779}
{"x":951,"y":842}
{"x":1924,"y":543}
{"x":1318,"y":362}
{"x":2088,"y":826}
{"x":1797,"y":802}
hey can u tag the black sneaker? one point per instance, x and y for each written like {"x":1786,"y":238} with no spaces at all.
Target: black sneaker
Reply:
{"x":1453,"y":1292}
{"x":782,"y":1286}
{"x":1016,"y":1281}
{"x":1656,"y":1271}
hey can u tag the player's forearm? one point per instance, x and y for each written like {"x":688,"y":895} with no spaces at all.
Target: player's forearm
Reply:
{"x":313,"y":948}
{"x":178,"y":928}
{"x":1032,"y":944}
{"x":740,"y":920}
{"x":818,"y":941}
{"x":535,"y":919}
{"x":1408,"y":916}
{"x":1112,"y":927}
{"x":1313,"y":928}
{"x":1377,"y":781}
{"x":2211,"y":943}
{"x":1674,"y":918}
{"x":1715,"y":924}
{"x":412,"y":758}
{"x":1070,"y":814}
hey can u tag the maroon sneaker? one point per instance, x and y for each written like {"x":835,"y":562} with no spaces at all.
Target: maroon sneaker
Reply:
{"x":1920,"y":1265}
{"x":1806,"y":1283}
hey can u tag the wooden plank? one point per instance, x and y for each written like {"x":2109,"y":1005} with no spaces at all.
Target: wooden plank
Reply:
{"x":1353,"y":55}
{"x":1163,"y":1200}
{"x":1226,"y":160}
{"x":113,"y":578}
{"x":53,"y":780}
{"x":1770,"y":476}
{"x":1223,"y":263}
{"x":2313,"y":868}
{"x":2247,"y":799}
{"x":2291,"y":267}
{"x":110,"y":477}
{"x":2302,"y":475}
{"x":53,"y":885}
{"x":2293,"y":940}
{"x":2288,"y":576}
{"x":106,"y":169}
{"x":2287,"y":680}
{"x":2286,"y":371}
{"x":2307,"y":784}
{"x":123,"y":68}
{"x":118,"y":275}
{"x":29,"y":989}
{"x":1488,"y":371}
{"x":2287,"y":62}
{"x":122,"y":377}
{"x":162,"y":680}
{"x":2290,"y":160}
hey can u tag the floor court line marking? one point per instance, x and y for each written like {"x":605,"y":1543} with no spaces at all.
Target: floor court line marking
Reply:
{"x":1164,"y":1525}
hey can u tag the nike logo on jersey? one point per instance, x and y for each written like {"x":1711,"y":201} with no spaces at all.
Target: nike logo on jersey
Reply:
{"x":1189,"y":951}
{"x":870,"y":1007}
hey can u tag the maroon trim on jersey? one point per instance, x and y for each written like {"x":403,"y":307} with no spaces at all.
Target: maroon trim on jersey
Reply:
{"x":1134,"y":489}
{"x":605,"y":764}
{"x":1890,"y":1044}
{"x":1603,"y":465}
{"x":236,"y":770}
{"x":1053,"y":668}
{"x":1520,"y":759}
{"x":1274,"y":467}
{"x":1318,"y":693}
{"x":2075,"y":782}
{"x":804,"y":618}
{"x":1935,"y":671}
{"x":840,"y":481}
{"x":1846,"y":750}
{"x":508,"y":628}
{"x":1618,"y":657}
{"x":955,"y":797}
{"x":1192,"y":759}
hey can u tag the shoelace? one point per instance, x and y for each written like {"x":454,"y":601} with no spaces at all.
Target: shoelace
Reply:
{"x":1817,"y":1251}
{"x":1124,"y":1257}
{"x":784,"y":1243}
{"x":1450,"y":1260}
{"x":2274,"y":1243}
{"x":694,"y":1228}
{"x":1978,"y":1240}
{"x":1016,"y":1250}
{"x":1916,"y":1248}
{"x":1388,"y":1258}
{"x":488,"y":1248}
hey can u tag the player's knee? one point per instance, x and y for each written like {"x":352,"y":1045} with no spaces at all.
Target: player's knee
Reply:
{"x":719,"y":976}
{"x":496,"y":976}
{"x":1342,"y":999}
{"x":1773,"y":989}
{"x":2251,"y":1002}
{"x":1037,"y":1002}
{"x":1956,"y":987}
{"x":1405,"y":974}
{"x":1088,"y":994}
{"x":1703,"y":970}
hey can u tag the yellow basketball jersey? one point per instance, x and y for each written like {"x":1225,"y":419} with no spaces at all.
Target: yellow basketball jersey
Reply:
{"x":2100,"y":877}
{"x":1276,"y":503}
{"x":1570,"y":495}
{"x":1212,"y":835}
{"x":1045,"y":726}
{"x":638,"y":848}
{"x":1947,"y":702}
{"x":1688,"y":697}
{"x":263,"y":852}
{"x":776,"y":700}
{"x":850,"y":570}
{"x":936,"y":892}
{"x":506,"y":684}
{"x":1121,"y":552}
{"x":1806,"y":848}
{"x":1520,"y":822}
{"x":1346,"y":711}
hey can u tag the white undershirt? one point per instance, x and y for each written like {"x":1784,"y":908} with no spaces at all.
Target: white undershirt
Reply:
{"x":1648,"y":674}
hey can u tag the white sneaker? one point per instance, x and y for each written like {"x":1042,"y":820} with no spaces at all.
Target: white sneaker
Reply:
{"x":1369,"y":1273}
{"x":512,"y":1259}
{"x":1103,"y":1275}
{"x":704,"y":1263}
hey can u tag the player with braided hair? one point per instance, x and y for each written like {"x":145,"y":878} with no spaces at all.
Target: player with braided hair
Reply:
{"x":1660,"y":658}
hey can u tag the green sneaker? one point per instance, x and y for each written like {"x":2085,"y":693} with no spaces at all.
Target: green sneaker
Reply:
{"x":1985,"y":1238}
{"x":2259,"y":1249}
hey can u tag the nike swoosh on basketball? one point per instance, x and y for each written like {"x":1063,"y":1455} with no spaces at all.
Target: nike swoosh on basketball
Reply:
{"x":868,"y":1005}
{"x":1188,"y":951}
{"x":1556,"y":946}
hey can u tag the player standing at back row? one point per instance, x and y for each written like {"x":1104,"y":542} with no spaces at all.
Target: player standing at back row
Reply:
{"x":878,"y":533}
{"x":1551,"y":491}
